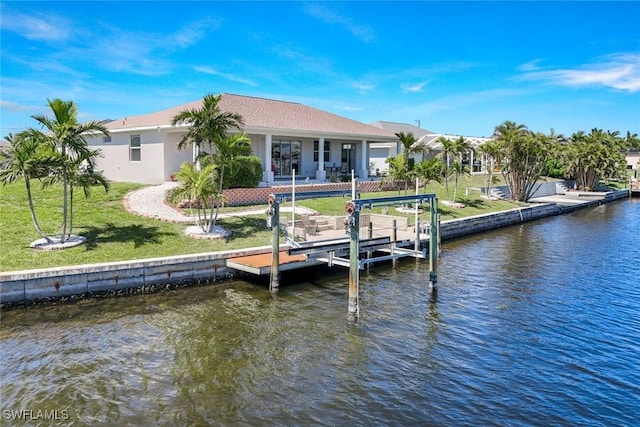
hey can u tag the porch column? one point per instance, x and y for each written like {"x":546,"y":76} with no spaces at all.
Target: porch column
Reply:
{"x":364,"y":164}
{"x":321,"y":174}
{"x":267,"y":173}
{"x":471,"y":162}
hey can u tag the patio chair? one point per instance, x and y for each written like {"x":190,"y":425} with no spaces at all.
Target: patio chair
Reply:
{"x":309,"y":225}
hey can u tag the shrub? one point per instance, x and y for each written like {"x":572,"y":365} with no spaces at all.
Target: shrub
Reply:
{"x":246,"y":172}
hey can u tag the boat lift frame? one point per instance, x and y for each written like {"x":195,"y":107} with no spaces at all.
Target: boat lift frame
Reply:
{"x":352,"y":226}
{"x":352,"y":222}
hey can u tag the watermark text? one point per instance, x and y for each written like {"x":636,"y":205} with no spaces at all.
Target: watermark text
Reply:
{"x":35,"y":415}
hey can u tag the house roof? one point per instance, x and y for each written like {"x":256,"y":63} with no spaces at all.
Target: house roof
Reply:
{"x":263,"y":115}
{"x":425,"y":137}
{"x":402,"y":127}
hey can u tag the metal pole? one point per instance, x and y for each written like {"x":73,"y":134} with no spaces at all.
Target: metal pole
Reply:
{"x":274,"y":283}
{"x":416,"y":245}
{"x":369,"y":236}
{"x":433,"y":245}
{"x":353,"y":222}
{"x":293,"y":205}
{"x":394,"y":239}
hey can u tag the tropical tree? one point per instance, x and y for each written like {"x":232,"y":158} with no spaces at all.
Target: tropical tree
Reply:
{"x":25,"y":159}
{"x":82,"y":174}
{"x":452,"y":152}
{"x":492,"y":150}
{"x":66,"y":137}
{"x":594,"y":156}
{"x":227,"y":150}
{"x":196,"y":187}
{"x":429,"y":170}
{"x":397,"y":171}
{"x":447,"y":152}
{"x":209,"y":125}
{"x":206,"y":125}
{"x":524,"y":156}
{"x":409,"y":148}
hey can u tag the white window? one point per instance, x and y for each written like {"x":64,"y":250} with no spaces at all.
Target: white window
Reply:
{"x":106,"y":138}
{"x":134,"y":149}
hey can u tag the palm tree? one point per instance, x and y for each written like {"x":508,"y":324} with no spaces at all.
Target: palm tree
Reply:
{"x":448,"y":150}
{"x":26,"y":159}
{"x":206,"y":125}
{"x":492,"y":151}
{"x":594,"y":156}
{"x":397,"y":171}
{"x":227,"y":150}
{"x":82,"y":174}
{"x":457,"y":169}
{"x":429,"y":170}
{"x":66,"y":136}
{"x":196,"y":185}
{"x":408,"y":141}
{"x":209,"y":125}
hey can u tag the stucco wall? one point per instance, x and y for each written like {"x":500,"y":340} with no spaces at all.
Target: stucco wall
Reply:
{"x":158,"y":159}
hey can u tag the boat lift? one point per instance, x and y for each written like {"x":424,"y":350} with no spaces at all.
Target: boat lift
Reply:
{"x":355,"y":245}
{"x":352,"y":222}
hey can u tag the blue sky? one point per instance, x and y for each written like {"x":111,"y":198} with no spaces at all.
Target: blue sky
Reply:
{"x":456,"y":67}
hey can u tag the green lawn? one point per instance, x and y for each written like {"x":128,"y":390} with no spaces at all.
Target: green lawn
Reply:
{"x":113,"y":234}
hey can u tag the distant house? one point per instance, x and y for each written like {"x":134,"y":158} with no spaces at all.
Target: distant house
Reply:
{"x":428,"y":141}
{"x":289,"y":138}
{"x":633,"y":159}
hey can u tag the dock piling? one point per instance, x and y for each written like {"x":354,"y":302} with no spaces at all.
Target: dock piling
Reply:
{"x":273,"y":215}
{"x":352,"y":222}
{"x":434,"y":232}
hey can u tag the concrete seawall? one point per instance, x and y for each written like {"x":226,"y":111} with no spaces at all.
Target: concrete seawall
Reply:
{"x":19,"y":287}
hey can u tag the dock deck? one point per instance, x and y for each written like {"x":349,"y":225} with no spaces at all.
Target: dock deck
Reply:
{"x":260,"y":264}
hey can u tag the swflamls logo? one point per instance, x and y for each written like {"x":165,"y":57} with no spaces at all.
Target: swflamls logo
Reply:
{"x":31,"y":415}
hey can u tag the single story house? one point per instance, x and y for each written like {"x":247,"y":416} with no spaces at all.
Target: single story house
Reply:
{"x":429,"y":142}
{"x":289,"y":137}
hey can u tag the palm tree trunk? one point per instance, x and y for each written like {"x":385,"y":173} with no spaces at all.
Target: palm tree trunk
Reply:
{"x":33,"y":211}
{"x":70,"y":211}
{"x":64,"y":194}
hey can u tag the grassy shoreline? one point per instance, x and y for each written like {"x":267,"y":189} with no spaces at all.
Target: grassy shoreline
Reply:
{"x":113,"y":234}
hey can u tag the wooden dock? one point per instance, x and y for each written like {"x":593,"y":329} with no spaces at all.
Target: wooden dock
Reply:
{"x":261,"y":264}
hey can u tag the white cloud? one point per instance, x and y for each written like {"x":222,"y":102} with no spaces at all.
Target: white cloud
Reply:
{"x":618,"y":71}
{"x":194,"y":32}
{"x":328,"y":16}
{"x":530,"y":66}
{"x":14,"y":107}
{"x":230,"y":77}
{"x":46,"y":28}
{"x":363,"y":88}
{"x":416,"y":87}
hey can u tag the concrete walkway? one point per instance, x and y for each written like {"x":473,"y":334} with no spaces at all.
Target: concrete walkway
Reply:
{"x":149,"y":202}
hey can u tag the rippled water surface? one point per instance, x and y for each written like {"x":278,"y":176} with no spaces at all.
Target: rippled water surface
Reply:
{"x":536,"y":324}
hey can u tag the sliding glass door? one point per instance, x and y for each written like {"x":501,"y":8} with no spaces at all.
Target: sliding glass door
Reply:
{"x":348,"y":158}
{"x":285,"y":157}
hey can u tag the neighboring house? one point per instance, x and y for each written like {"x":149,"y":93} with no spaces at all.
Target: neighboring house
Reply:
{"x":428,"y":140}
{"x":287,"y":136}
{"x":379,"y":152}
{"x":633,"y":159}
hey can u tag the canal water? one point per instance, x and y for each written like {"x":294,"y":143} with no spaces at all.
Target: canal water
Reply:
{"x":533,"y":325}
